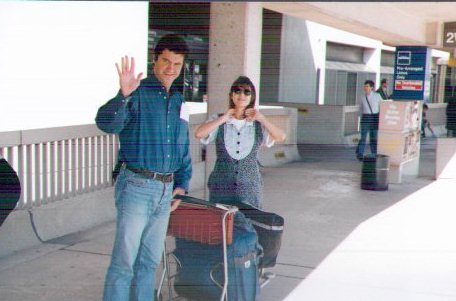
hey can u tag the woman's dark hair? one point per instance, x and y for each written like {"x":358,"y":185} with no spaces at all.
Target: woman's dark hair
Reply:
{"x":173,"y":43}
{"x":243,"y":82}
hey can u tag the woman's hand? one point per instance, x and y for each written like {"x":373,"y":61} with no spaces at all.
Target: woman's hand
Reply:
{"x":275,"y":132}
{"x":253,"y":114}
{"x":127,"y":79}
{"x":228,"y":114}
{"x":206,"y":128}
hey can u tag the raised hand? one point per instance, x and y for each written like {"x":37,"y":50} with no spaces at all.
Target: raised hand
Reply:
{"x":228,"y":114}
{"x":127,"y":79}
{"x":253,"y":114}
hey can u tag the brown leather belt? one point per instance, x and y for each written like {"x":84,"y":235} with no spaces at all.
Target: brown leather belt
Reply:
{"x":165,"y":178}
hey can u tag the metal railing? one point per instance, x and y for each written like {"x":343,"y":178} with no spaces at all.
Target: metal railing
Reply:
{"x":62,"y":162}
{"x":57,"y":163}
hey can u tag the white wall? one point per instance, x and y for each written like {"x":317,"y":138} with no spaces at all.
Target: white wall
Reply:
{"x":297,"y":81}
{"x":57,"y":58}
{"x":303,"y":51}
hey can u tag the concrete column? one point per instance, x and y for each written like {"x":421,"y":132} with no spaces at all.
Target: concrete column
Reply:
{"x":322,"y":76}
{"x":372,"y":59}
{"x":234,"y":49}
{"x":300,"y":58}
{"x":440,"y":85}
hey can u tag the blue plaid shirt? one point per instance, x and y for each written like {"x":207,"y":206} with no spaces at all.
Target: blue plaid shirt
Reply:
{"x":152,"y":135}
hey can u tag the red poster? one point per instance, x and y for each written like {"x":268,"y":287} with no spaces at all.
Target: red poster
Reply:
{"x":409,"y":85}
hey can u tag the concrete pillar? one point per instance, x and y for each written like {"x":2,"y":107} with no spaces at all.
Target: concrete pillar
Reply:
{"x":299,"y":60}
{"x":234,"y":49}
{"x":321,"y":80}
{"x":372,"y":59}
{"x":440,"y":85}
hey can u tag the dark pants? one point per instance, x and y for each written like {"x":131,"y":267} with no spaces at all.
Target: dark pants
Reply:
{"x":451,"y":133}
{"x":369,"y":124}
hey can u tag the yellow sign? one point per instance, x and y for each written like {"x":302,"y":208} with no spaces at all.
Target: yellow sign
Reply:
{"x":452,"y":62}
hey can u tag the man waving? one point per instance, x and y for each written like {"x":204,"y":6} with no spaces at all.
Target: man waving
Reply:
{"x":151,"y":119}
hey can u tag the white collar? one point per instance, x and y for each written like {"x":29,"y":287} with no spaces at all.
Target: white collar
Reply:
{"x":235,"y":121}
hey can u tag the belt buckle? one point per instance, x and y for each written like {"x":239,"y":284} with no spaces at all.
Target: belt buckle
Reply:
{"x":166,"y":178}
{"x":160,"y":177}
{"x":154,"y":176}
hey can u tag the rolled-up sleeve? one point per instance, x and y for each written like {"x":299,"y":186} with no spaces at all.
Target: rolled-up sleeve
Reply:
{"x":267,"y":140}
{"x":211,"y":137}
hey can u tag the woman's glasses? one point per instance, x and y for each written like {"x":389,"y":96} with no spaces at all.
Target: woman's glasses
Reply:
{"x":238,"y":91}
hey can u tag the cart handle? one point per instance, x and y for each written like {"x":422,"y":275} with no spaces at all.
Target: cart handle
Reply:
{"x":192,"y":200}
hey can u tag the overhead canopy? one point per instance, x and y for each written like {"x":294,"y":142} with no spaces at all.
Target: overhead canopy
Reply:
{"x":394,"y":23}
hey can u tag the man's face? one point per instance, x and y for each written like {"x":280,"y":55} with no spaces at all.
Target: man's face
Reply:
{"x":168,"y":66}
{"x":367,"y":89}
{"x":385,"y":85}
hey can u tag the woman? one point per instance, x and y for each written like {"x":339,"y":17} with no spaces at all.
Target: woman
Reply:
{"x":238,"y":135}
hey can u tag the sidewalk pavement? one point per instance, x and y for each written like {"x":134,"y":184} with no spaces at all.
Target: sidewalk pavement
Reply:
{"x":319,"y":197}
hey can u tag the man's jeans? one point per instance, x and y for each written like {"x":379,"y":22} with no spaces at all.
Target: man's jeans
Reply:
{"x":143,"y":208}
{"x":369,"y":124}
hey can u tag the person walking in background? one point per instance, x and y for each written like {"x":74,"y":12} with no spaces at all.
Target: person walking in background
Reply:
{"x":238,"y":135}
{"x":425,"y":123}
{"x":369,"y":110}
{"x":151,"y":119}
{"x":383,"y":89}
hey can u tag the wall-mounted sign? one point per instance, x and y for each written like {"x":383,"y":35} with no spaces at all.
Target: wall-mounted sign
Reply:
{"x":412,"y":73}
{"x":449,"y":34}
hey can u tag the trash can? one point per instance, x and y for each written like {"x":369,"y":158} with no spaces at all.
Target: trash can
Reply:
{"x":375,"y":172}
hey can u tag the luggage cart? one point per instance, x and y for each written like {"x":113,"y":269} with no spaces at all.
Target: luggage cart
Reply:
{"x":204,"y":222}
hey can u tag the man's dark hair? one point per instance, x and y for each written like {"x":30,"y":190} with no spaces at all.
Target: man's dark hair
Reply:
{"x":173,"y":43}
{"x":369,"y":82}
{"x":384,"y":80}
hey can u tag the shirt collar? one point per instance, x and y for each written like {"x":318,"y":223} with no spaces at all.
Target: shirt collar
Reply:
{"x":233,"y":121}
{"x":153,"y":82}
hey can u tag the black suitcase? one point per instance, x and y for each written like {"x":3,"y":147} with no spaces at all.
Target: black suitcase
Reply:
{"x":269,"y":227}
{"x":200,"y":276}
